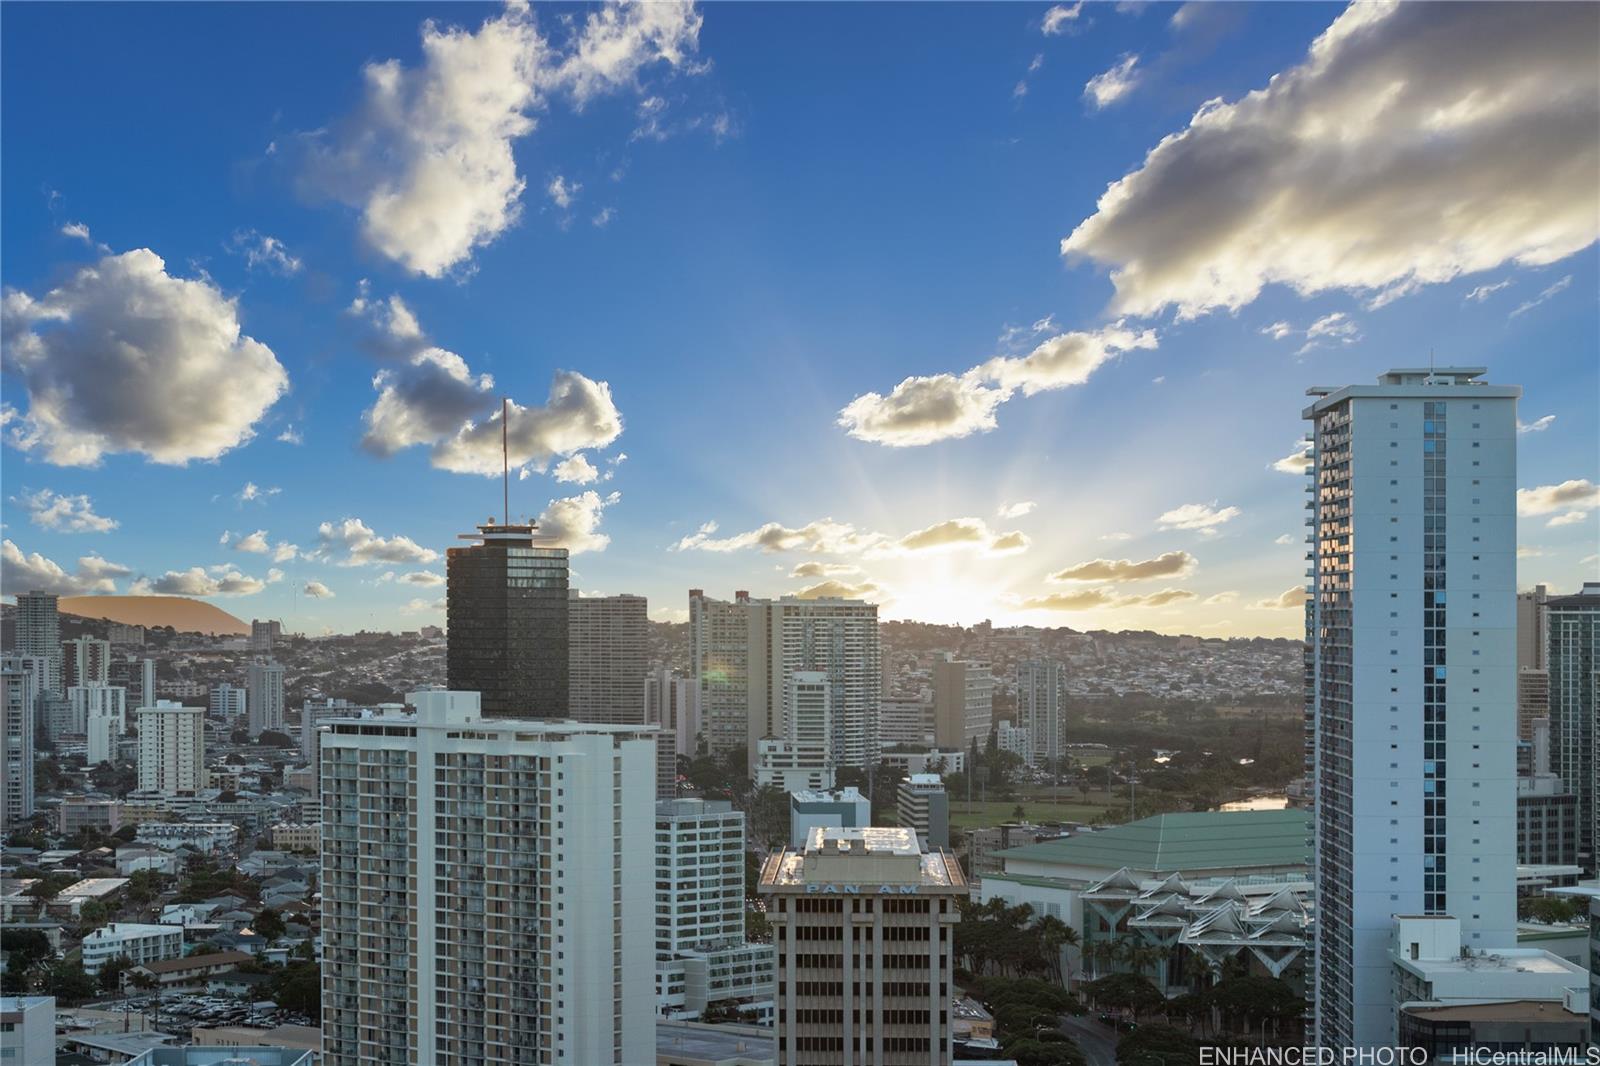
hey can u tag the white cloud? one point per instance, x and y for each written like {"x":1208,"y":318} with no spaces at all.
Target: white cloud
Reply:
{"x":1335,"y":327}
{"x":254,"y":542}
{"x":1331,"y":176}
{"x":823,"y":536}
{"x":260,"y":250}
{"x":317,"y":590}
{"x":562,"y":192}
{"x":123,"y":357}
{"x":1118,"y":536}
{"x":1538,"y":425}
{"x":833,"y":589}
{"x":64,"y":514}
{"x":197,"y":581}
{"x":1109,"y":86}
{"x":1528,"y":305}
{"x":963,"y":533}
{"x":923,"y":410}
{"x":431,"y":396}
{"x":1278,"y":330}
{"x":1294,"y":597}
{"x":1170,"y":564}
{"x":290,"y":435}
{"x":34,"y":572}
{"x":1579,"y":494}
{"x":274,"y":575}
{"x":1219,"y":598}
{"x":1571,"y":518}
{"x":283,"y":551}
{"x":574,"y":522}
{"x":579,"y":414}
{"x":813,"y":568}
{"x":423,"y":606}
{"x":351,"y":542}
{"x":77,"y":231}
{"x":1080,"y":600}
{"x":255,"y":493}
{"x":1059,"y":17}
{"x":1016,"y":510}
{"x":602,"y":218}
{"x":1285,"y":538}
{"x":425,"y":578}
{"x":1297,"y":461}
{"x":428,"y":158}
{"x":1483,"y":292}
{"x":575,"y":469}
{"x":1197,"y":516}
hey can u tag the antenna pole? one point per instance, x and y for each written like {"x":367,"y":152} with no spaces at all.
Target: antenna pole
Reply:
{"x":505,"y":460}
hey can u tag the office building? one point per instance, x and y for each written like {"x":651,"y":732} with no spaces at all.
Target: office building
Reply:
{"x":506,"y":609}
{"x":487,"y":888}
{"x":228,"y":703}
{"x":263,"y":635}
{"x":140,"y":943}
{"x":924,"y":808}
{"x":811,"y":809}
{"x":928,"y":761}
{"x":905,"y":720}
{"x":963,"y":703}
{"x":103,"y":712}
{"x":1042,"y":711}
{"x":673,"y":703}
{"x":263,"y":683}
{"x":29,"y":1025}
{"x":863,"y":920}
{"x":1573,"y":660}
{"x":790,"y":767}
{"x":172,"y":748}
{"x":138,"y":677}
{"x":1531,"y":632}
{"x":608,"y":656}
{"x":743,"y":653}
{"x":1533,"y":700}
{"x":803,"y":757}
{"x":1547,"y":811}
{"x":701,"y":953}
{"x":1411,"y":676}
{"x":39,"y":634}
{"x":18,"y":700}
{"x":85,"y":661}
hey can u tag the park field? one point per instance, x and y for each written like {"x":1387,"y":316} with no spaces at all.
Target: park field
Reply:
{"x":1037,"y":807}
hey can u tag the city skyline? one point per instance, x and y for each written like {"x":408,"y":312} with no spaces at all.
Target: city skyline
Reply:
{"x":743,"y":352}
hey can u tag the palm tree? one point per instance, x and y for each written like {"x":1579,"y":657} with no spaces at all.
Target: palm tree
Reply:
{"x":1054,"y":934}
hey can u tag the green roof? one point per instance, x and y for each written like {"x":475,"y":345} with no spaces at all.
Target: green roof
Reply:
{"x":1202,"y":840}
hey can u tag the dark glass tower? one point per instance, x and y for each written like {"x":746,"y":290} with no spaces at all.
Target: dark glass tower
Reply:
{"x":507,"y":612}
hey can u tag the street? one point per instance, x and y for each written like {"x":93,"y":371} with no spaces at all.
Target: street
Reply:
{"x":1098,"y":1042}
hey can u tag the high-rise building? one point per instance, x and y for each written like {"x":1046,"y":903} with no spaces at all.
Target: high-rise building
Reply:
{"x":1533,"y":700}
{"x":673,"y":702}
{"x":701,"y":953}
{"x":506,"y":611}
{"x":138,"y":677}
{"x":121,"y":633}
{"x":264,"y":634}
{"x":172,"y":748}
{"x":803,"y":757}
{"x":487,"y":889}
{"x":1411,"y":676}
{"x":263,"y":683}
{"x":85,"y":661}
{"x":1573,"y":661}
{"x":608,"y":657}
{"x":905,"y":720}
{"x":39,"y":634}
{"x":102,"y":712}
{"x":1531,"y":628}
{"x":1041,"y":709}
{"x":1016,"y":739}
{"x":743,"y":653}
{"x":864,"y":924}
{"x":963,"y":703}
{"x":1547,"y":811}
{"x":924,"y":807}
{"x":18,"y":704}
{"x":227,"y":702}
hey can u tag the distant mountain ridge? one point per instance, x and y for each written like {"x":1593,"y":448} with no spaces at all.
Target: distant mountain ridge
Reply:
{"x":179,"y":612}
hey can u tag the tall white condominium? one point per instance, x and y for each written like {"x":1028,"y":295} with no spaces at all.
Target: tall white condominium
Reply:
{"x":263,"y":682}
{"x":172,"y":748}
{"x":18,"y":699}
{"x":864,"y":923}
{"x":701,"y":953}
{"x":802,"y":759}
{"x":1574,"y":664}
{"x":744,"y":651}
{"x":102,"y":710}
{"x":85,"y":661}
{"x":227,"y":702}
{"x":673,"y":702}
{"x":1041,"y":709}
{"x":963,"y":703}
{"x":39,"y":633}
{"x":487,"y":889}
{"x":608,"y":655}
{"x":1411,"y":686}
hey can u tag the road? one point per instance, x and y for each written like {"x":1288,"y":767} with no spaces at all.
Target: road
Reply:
{"x":1098,"y":1042}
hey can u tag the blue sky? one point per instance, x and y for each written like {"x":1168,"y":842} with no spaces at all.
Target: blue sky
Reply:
{"x":726,"y":235}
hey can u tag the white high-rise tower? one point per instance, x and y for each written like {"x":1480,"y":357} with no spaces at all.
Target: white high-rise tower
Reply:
{"x":1411,"y":686}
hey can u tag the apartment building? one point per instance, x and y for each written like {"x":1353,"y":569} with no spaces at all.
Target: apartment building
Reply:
{"x":172,"y":748}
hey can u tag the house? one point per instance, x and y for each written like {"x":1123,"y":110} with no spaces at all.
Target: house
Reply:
{"x":186,"y":914}
{"x":192,"y":970}
{"x":235,"y":983}
{"x":135,"y":857}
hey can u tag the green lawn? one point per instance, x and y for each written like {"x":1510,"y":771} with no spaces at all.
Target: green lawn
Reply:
{"x":1038,"y":809}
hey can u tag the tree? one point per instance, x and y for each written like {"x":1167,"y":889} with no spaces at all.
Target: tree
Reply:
{"x":111,"y":972}
{"x":1158,"y":1045}
{"x":298,"y":988}
{"x":1125,"y":991}
{"x":769,"y":816}
{"x":271,"y":738}
{"x":145,"y":885}
{"x":23,"y":948}
{"x":68,"y":982}
{"x":268,"y":923}
{"x":142,"y":981}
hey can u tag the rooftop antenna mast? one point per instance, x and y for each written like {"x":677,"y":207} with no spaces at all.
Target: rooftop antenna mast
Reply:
{"x":505,"y":460}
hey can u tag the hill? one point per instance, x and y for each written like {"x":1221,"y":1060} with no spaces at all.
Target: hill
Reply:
{"x":179,"y":612}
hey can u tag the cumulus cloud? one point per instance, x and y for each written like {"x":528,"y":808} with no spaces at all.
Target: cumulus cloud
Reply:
{"x":1337,"y":327}
{"x":840,"y":590}
{"x":1576,"y":496}
{"x":428,"y":158}
{"x":428,"y":398}
{"x":124,"y":357}
{"x":573,"y":523}
{"x":829,"y":537}
{"x":922,"y":410}
{"x":1218,"y":598}
{"x":1414,"y":144}
{"x":317,"y":590}
{"x":562,"y":192}
{"x":1016,"y":510}
{"x":1118,"y":536}
{"x":963,"y":533}
{"x":1297,"y":461}
{"x":198,"y":581}
{"x":1571,"y":518}
{"x":1198,"y":516}
{"x":1284,"y":539}
{"x":425,"y":578}
{"x":1170,"y":564}
{"x":32,"y":572}
{"x":1528,"y":305}
{"x":255,"y":493}
{"x":253,"y":542}
{"x":261,"y":250}
{"x":1157,"y":599}
{"x":1294,"y":597}
{"x":290,"y":435}
{"x":1277,"y":330}
{"x":578,"y":414}
{"x":1109,"y":86}
{"x":1059,"y":18}
{"x":1538,"y":425}
{"x":812,"y":568}
{"x":351,"y":542}
{"x":422,"y":606}
{"x":49,"y":509}
{"x":1081,"y":600}
{"x":575,"y":469}
{"x":78,"y":231}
